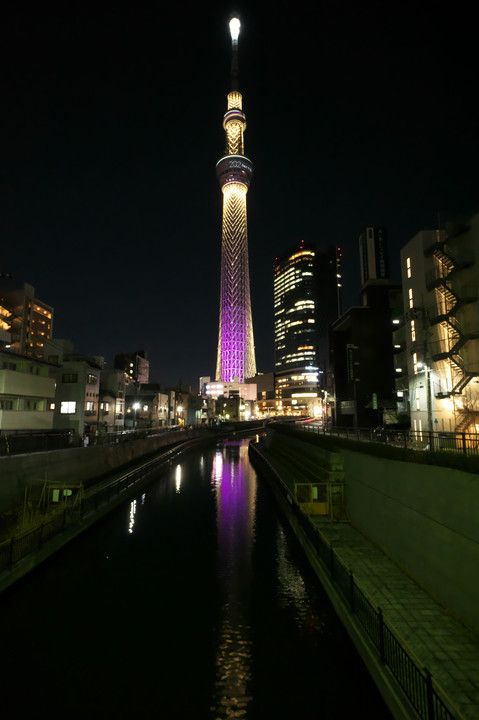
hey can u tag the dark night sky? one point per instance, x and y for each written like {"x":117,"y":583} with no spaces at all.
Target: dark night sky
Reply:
{"x":111,"y":125}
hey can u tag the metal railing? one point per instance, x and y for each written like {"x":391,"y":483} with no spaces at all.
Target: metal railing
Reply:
{"x":417,"y":683}
{"x":23,"y":544}
{"x":456,"y":442}
{"x":17,"y":442}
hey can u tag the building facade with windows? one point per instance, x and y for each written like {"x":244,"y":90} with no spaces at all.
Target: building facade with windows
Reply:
{"x":77,"y":395}
{"x":111,"y":416}
{"x":224,"y":396}
{"x":438,"y":340}
{"x":146,"y":407}
{"x":135,"y":365}
{"x":306,"y":300}
{"x":26,"y":322}
{"x":27,"y":393}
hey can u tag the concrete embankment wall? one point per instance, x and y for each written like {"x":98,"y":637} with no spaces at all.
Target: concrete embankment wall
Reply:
{"x":425,"y":518}
{"x":74,"y":464}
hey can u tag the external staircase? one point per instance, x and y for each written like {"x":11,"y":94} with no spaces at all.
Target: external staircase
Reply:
{"x":445,"y":314}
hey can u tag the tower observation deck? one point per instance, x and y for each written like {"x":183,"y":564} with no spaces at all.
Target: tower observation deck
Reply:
{"x":236,"y":357}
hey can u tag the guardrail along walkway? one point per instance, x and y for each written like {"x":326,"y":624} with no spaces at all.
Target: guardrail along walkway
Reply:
{"x":439,"y":642}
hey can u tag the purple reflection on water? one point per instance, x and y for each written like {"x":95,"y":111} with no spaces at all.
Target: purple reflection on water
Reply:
{"x":234,"y":482}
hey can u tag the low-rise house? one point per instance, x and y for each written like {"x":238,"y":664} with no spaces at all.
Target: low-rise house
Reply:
{"x":112,"y":400}
{"x":146,"y":407}
{"x":77,"y":387}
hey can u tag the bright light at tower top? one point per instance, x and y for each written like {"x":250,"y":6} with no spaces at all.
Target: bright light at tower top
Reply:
{"x":235,"y":29}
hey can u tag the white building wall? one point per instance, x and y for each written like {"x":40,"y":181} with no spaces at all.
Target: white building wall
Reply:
{"x":432,"y":404}
{"x":26,"y":393}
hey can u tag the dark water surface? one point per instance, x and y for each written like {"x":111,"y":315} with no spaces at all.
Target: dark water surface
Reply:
{"x":192,"y":601}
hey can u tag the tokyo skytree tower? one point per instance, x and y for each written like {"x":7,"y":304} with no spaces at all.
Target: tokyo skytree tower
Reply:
{"x":236,"y":358}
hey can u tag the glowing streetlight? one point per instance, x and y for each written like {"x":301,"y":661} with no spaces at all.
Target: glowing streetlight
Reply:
{"x":136,"y":407}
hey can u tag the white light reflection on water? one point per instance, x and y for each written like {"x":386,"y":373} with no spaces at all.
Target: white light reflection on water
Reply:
{"x":234,"y":484}
{"x":292,"y":593}
{"x":132,"y":516}
{"x":178,"y":478}
{"x":217,"y":472}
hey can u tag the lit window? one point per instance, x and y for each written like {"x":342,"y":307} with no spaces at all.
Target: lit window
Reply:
{"x":411,"y":301}
{"x":414,"y":360}
{"x":408,"y":267}
{"x":413,"y":331}
{"x":68,"y":407}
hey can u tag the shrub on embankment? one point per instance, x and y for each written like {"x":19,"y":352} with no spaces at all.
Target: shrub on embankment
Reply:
{"x":453,"y":460}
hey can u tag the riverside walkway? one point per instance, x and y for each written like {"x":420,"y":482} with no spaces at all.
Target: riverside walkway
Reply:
{"x":434,"y":638}
{"x":428,"y":633}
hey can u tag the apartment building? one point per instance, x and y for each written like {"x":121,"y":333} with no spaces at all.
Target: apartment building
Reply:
{"x":25,"y":321}
{"x":27,"y":392}
{"x":111,"y":416}
{"x":437,"y":339}
{"x":77,"y":392}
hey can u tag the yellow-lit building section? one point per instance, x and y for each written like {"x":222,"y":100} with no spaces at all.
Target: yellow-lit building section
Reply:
{"x":235,"y":127}
{"x":295,"y":351}
{"x":25,"y":321}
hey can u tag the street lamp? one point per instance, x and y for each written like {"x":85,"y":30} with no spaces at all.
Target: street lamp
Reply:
{"x":179,"y":410}
{"x":136,"y":407}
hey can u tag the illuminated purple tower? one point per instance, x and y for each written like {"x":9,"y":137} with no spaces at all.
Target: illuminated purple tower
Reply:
{"x":236,"y":358}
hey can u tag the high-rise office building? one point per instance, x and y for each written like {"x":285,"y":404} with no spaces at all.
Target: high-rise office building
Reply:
{"x":373,"y":255}
{"x":236,"y":356}
{"x":305,"y":303}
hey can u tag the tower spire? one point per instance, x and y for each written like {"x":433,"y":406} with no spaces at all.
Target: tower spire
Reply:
{"x":235,"y":31}
{"x":236,"y":357}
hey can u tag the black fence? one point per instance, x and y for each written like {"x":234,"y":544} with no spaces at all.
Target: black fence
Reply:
{"x":22,"y":545}
{"x":18,"y":442}
{"x":416,"y":682}
{"x":462,"y":442}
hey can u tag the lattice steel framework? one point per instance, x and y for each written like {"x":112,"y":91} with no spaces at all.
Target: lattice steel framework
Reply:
{"x":236,"y":357}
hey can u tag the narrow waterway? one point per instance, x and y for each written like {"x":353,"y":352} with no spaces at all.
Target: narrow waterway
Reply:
{"x":191,"y":601}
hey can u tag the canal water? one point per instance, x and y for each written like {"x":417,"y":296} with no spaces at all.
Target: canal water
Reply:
{"x":191,"y":601}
